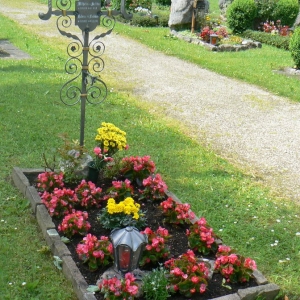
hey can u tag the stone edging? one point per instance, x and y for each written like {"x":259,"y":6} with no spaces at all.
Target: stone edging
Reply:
{"x":267,"y":290}
{"x":246,"y":44}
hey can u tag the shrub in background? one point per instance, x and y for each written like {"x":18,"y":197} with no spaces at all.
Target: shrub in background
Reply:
{"x":281,"y":42}
{"x":265,"y":9}
{"x":295,"y":47}
{"x":241,"y":15}
{"x":163,"y":2}
{"x":286,"y":11}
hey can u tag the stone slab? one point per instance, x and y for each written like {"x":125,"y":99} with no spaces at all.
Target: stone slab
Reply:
{"x":34,"y":198}
{"x":266,"y":292}
{"x":20,"y":180}
{"x":228,"y":297}
{"x":73,"y":274}
{"x":44,"y":220}
{"x":13,"y":51}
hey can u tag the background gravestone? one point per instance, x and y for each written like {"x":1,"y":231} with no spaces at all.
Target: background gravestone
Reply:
{"x":182,"y":11}
{"x":223,"y":5}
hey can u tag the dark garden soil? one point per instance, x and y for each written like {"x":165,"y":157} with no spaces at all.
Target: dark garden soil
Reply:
{"x":177,"y":244}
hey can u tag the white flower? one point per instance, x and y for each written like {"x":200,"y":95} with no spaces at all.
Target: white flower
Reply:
{"x":278,"y":221}
{"x":272,"y":230}
{"x":298,"y":233}
{"x":221,"y":229}
{"x":23,"y":283}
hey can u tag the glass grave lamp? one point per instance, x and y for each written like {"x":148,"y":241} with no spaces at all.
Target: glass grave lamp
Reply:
{"x":128,"y":244}
{"x":214,"y":38}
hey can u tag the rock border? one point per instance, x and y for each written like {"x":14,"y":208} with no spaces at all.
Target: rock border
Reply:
{"x":246,"y":44}
{"x":264,"y":289}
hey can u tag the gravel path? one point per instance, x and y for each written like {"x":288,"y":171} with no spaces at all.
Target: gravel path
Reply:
{"x":250,"y":127}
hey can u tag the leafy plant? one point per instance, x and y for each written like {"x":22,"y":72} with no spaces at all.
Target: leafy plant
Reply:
{"x":294,"y":47}
{"x":155,"y":284}
{"x":60,"y":202}
{"x":156,"y":248}
{"x":278,"y":41}
{"x":265,"y":9}
{"x":154,"y":188}
{"x":177,"y":213}
{"x":137,"y":168}
{"x":119,"y":289}
{"x":95,"y":252}
{"x":110,"y":139}
{"x":120,"y":190}
{"x":88,"y":194}
{"x":73,"y":159}
{"x":75,"y":223}
{"x":241,"y":14}
{"x":201,"y":237}
{"x":122,"y":214}
{"x":48,"y":181}
{"x":234,"y":267}
{"x":286,"y":11}
{"x":187,"y":275}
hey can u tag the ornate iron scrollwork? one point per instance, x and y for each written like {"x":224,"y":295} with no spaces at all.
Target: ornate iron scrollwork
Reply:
{"x":85,"y":57}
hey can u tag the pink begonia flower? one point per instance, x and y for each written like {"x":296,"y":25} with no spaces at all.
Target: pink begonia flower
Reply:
{"x":202,"y":288}
{"x":193,"y":290}
{"x":224,"y":248}
{"x":233,"y":258}
{"x":250,"y":264}
{"x":177,"y":272}
{"x":97,"y":151}
{"x":195,"y":279}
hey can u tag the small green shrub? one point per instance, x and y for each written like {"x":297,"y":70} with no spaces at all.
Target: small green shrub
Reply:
{"x":133,"y":4}
{"x":163,"y":2}
{"x":241,"y":15}
{"x":278,"y":41}
{"x":163,"y":21}
{"x":265,"y":9}
{"x":155,"y":284}
{"x":144,"y":21}
{"x":286,"y":11}
{"x":295,"y":47}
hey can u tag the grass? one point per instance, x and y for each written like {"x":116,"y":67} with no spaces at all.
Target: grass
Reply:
{"x":242,"y":211}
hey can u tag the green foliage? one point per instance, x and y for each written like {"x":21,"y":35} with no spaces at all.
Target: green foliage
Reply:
{"x":121,"y":220}
{"x":140,"y":3}
{"x":265,"y":9}
{"x":155,"y":283}
{"x":295,"y":47}
{"x":278,"y":41}
{"x":144,"y":21}
{"x":286,"y":11}
{"x":241,"y":14}
{"x":163,"y":2}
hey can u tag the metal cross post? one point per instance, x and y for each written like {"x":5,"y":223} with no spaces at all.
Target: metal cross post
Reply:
{"x":88,"y":15}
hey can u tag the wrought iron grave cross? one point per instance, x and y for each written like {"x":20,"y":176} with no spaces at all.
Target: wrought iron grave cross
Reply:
{"x":85,"y":60}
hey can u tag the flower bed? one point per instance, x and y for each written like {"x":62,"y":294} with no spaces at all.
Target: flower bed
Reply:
{"x":244,"y":45}
{"x":189,"y":257}
{"x":22,"y":179}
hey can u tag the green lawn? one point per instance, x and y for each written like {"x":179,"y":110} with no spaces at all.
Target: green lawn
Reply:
{"x":242,"y":211}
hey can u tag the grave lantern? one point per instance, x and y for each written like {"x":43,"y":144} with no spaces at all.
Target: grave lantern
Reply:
{"x":128,"y":244}
{"x":214,"y":38}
